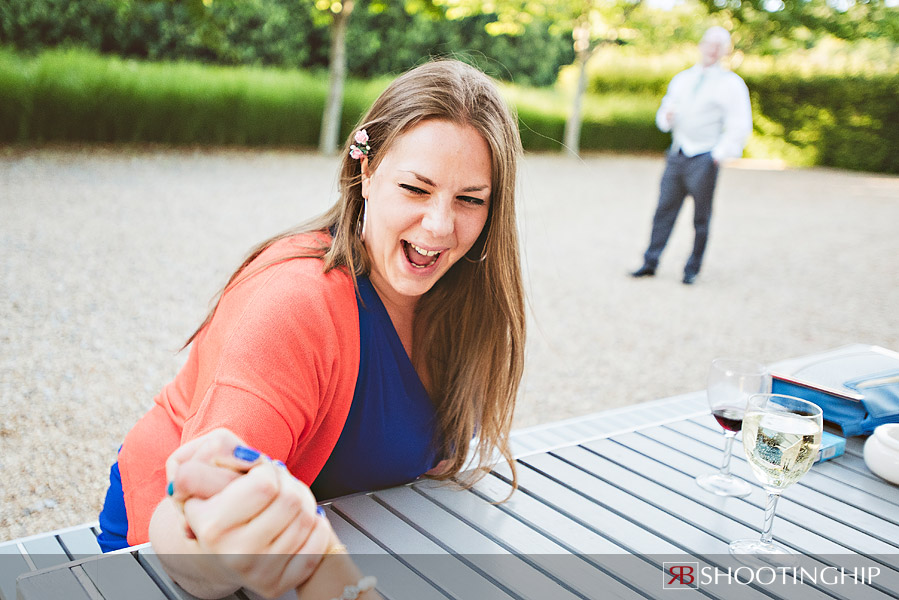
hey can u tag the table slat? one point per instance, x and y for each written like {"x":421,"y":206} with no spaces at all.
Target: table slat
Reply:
{"x":475,"y":548}
{"x":717,"y":525}
{"x":664,"y":524}
{"x":879,"y":487}
{"x":739,"y":509}
{"x":85,"y":581}
{"x":857,"y":464}
{"x":600,"y":520}
{"x":149,"y":562}
{"x":57,"y":583}
{"x":635,"y":535}
{"x":355,"y":541}
{"x":46,"y":552}
{"x":856,"y":444}
{"x":831,"y":469}
{"x":120,"y":577}
{"x":395,"y":580}
{"x":453,"y":577}
{"x":811,"y":491}
{"x":80,"y":543}
{"x":577,"y":538}
{"x":543,"y":551}
{"x":849,"y":494}
{"x":823,"y":501}
{"x":809,"y":531}
{"x":809,"y":519}
{"x":12,"y":564}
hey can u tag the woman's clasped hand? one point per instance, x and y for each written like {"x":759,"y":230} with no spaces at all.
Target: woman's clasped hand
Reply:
{"x":246,"y":513}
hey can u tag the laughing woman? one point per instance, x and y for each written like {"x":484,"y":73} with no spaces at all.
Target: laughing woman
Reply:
{"x":362,"y":350}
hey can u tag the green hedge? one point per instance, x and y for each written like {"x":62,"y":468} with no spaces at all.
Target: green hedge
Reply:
{"x":540,"y":132}
{"x":77,"y":96}
{"x":846,"y":121}
{"x":842,"y":121}
{"x":611,"y":122}
{"x":806,"y":116}
{"x":74,"y":95}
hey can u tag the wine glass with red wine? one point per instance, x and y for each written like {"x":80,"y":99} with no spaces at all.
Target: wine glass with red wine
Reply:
{"x":731,"y":383}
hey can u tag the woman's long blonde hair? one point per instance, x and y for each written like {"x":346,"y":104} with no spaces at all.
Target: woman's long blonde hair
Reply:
{"x":469,"y":330}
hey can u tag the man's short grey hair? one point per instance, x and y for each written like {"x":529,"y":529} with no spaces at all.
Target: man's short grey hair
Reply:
{"x":718,"y":35}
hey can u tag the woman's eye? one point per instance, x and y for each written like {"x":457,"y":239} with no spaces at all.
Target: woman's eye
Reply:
{"x":413,"y":189}
{"x":472,"y":200}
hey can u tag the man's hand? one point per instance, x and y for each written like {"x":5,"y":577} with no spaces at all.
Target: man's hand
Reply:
{"x":670,"y":117}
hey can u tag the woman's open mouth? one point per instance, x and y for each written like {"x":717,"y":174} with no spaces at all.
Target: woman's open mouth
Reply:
{"x":418,"y":257}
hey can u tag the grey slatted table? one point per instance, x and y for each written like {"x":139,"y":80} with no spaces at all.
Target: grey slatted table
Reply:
{"x":604,"y":503}
{"x":43,"y":551}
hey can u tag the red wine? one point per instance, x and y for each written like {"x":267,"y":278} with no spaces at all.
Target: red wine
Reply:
{"x":729,"y":417}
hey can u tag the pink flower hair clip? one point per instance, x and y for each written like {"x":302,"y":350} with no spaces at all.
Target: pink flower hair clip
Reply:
{"x":361,"y":147}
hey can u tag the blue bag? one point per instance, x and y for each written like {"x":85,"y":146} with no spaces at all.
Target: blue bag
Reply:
{"x":857,"y":387}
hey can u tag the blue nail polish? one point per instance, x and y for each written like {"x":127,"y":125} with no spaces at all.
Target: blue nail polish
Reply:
{"x":280,"y":464}
{"x":320,"y":511}
{"x":170,"y":488}
{"x":247,"y":454}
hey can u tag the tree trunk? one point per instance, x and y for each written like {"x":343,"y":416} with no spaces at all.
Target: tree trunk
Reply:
{"x":575,"y":117}
{"x":327,"y":142}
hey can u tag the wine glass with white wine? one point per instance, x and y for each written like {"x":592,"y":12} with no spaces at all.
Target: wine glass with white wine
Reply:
{"x":781,"y":437}
{"x":731,"y":382}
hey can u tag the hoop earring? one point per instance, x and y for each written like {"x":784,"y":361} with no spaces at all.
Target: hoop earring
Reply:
{"x":360,"y":224}
{"x":478,"y":261}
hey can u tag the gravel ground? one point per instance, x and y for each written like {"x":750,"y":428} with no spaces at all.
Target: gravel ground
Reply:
{"x":109,"y":258}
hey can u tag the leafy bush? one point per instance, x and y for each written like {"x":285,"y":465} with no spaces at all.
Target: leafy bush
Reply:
{"x":806,"y":110}
{"x":616,"y":71}
{"x":74,"y":95}
{"x":393,"y":41}
{"x":281,"y":33}
{"x":847,"y":121}
{"x":69,"y":95}
{"x":611,"y":122}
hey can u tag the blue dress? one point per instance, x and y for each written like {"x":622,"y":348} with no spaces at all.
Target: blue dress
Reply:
{"x":388,"y":438}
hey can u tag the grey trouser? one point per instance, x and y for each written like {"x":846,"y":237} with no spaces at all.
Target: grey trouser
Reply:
{"x":693,"y":175}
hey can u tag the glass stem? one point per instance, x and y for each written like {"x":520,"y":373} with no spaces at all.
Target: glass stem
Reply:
{"x":770,"y":507}
{"x":728,"y":448}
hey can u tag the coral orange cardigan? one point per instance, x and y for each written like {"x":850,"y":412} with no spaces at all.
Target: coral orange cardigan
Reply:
{"x":277,"y":364}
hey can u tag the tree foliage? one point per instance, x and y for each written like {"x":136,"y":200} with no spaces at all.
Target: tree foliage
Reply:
{"x":264,"y":32}
{"x":591,"y":23}
{"x":337,"y":14}
{"x":383,"y":37}
{"x":770,"y":25}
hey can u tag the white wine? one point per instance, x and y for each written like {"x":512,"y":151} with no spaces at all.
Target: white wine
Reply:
{"x":780,"y":447}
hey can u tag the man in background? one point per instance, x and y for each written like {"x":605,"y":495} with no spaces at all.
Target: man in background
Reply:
{"x":707,"y":111}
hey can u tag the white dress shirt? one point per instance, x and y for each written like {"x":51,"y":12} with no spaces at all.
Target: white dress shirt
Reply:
{"x":710,"y":112}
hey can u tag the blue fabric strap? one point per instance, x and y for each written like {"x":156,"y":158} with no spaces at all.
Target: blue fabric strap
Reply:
{"x":881,"y":394}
